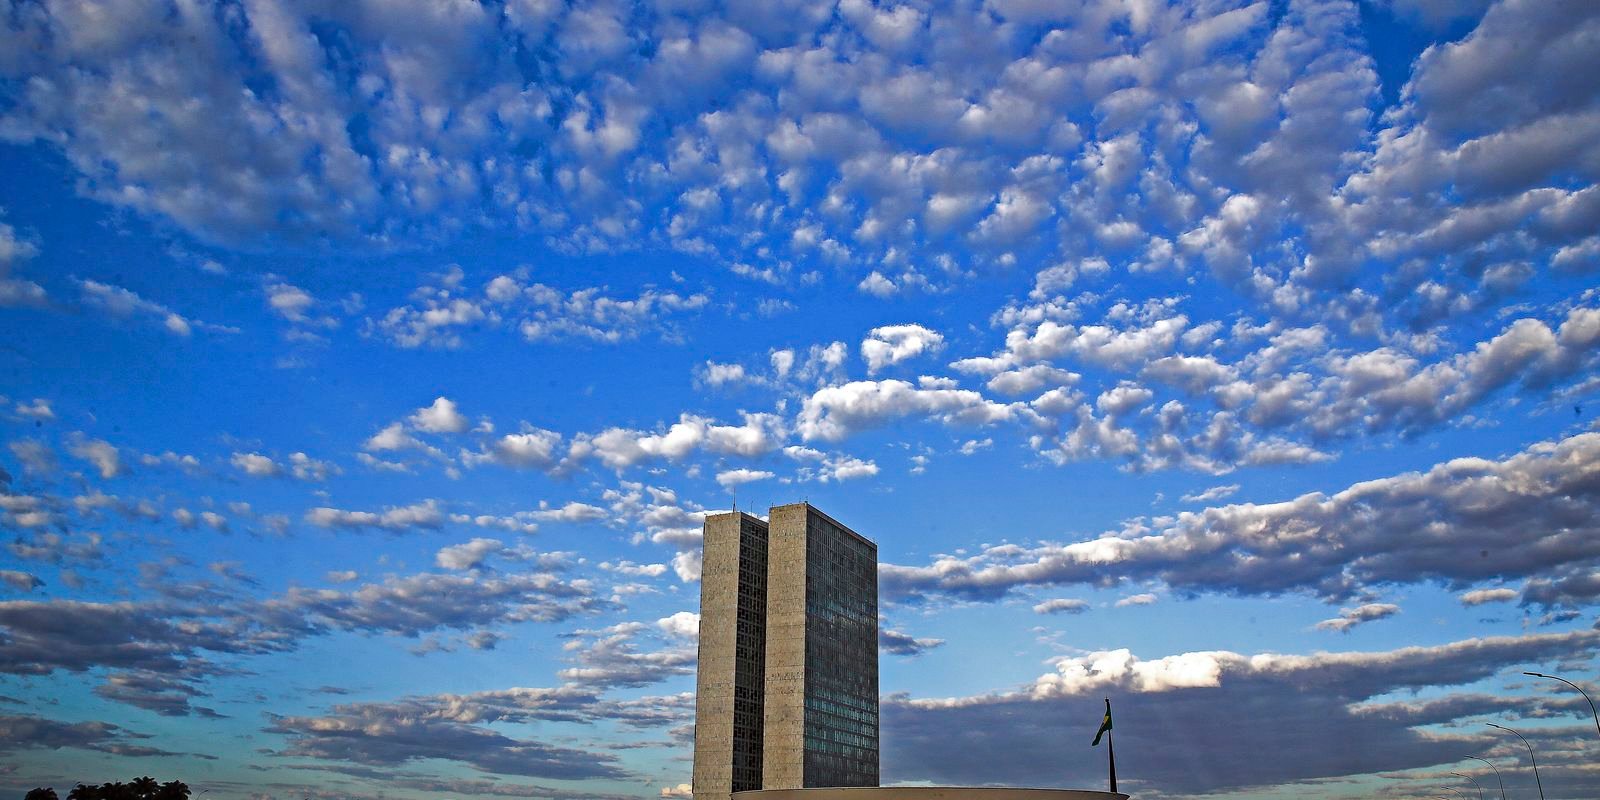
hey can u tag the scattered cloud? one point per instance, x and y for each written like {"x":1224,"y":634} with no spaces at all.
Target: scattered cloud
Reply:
{"x":443,"y":310}
{"x":682,"y":624}
{"x":118,"y":303}
{"x":440,"y":417}
{"x":892,"y":344}
{"x":18,"y":292}
{"x":1411,"y":528}
{"x":1061,"y":605}
{"x":738,"y":477}
{"x":836,"y":412}
{"x":20,"y":581}
{"x":104,"y":456}
{"x":904,"y":644}
{"x":610,"y":657}
{"x":256,"y":465}
{"x":1170,"y":704}
{"x":1213,"y":493}
{"x":392,"y":735}
{"x":21,"y":732}
{"x":425,"y":515}
{"x":1360,"y":615}
{"x":1478,"y":597}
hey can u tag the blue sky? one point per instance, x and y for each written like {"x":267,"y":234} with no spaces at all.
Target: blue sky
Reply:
{"x":368,"y":368}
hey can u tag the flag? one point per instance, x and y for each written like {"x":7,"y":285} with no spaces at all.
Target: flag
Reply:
{"x":1104,"y":726}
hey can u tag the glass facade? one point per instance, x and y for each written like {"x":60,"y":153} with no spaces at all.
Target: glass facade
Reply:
{"x":841,"y":692}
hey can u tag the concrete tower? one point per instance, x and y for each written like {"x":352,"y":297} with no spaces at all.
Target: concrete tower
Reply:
{"x":788,"y":672}
{"x":729,"y":681}
{"x":821,"y":712}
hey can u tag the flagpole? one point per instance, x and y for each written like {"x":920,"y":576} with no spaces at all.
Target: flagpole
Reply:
{"x":1111,"y":753}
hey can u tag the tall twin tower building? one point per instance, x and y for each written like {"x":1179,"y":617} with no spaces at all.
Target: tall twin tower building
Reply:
{"x":788,"y":675}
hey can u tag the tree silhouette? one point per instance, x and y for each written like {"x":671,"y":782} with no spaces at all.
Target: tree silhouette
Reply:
{"x":142,"y":788}
{"x":172,"y":790}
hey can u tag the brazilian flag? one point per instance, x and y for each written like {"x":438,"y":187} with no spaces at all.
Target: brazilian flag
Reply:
{"x":1104,"y":726}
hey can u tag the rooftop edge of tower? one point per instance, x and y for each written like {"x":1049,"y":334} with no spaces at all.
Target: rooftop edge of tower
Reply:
{"x":814,"y":510}
{"x":740,"y":514}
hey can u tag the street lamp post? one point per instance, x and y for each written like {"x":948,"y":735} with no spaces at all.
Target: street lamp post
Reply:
{"x":1474,"y":783}
{"x":1496,"y":774}
{"x":1580,"y":691}
{"x":1535,"y":761}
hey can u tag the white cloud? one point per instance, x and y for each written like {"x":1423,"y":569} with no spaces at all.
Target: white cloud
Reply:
{"x":444,"y":311}
{"x":572,"y":511}
{"x":1360,"y":615}
{"x":306,"y":468}
{"x":296,"y":305}
{"x":589,"y":314}
{"x":800,"y":453}
{"x":681,"y":624}
{"x":392,"y":437}
{"x":533,"y":448}
{"x":1478,"y":597}
{"x":1137,"y":600}
{"x":738,"y":477}
{"x":439,"y":324}
{"x":1123,"y":399}
{"x":620,"y":448}
{"x":877,"y":285}
{"x":631,"y":569}
{"x":102,"y":454}
{"x":892,"y":344}
{"x":39,"y":410}
{"x":468,"y":555}
{"x":1213,"y":493}
{"x":18,"y":292}
{"x":289,"y":301}
{"x":1029,"y":380}
{"x":441,"y":417}
{"x":1061,"y":605}
{"x":1193,"y":374}
{"x":381,"y":465}
{"x":516,"y":523}
{"x":426,"y":515}
{"x":836,"y":412}
{"x":256,"y":465}
{"x":782,"y":362}
{"x":36,"y":459}
{"x":972,"y":446}
{"x":1059,"y":278}
{"x":687,"y":566}
{"x":841,"y":468}
{"x":715,"y":374}
{"x":120,"y":303}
